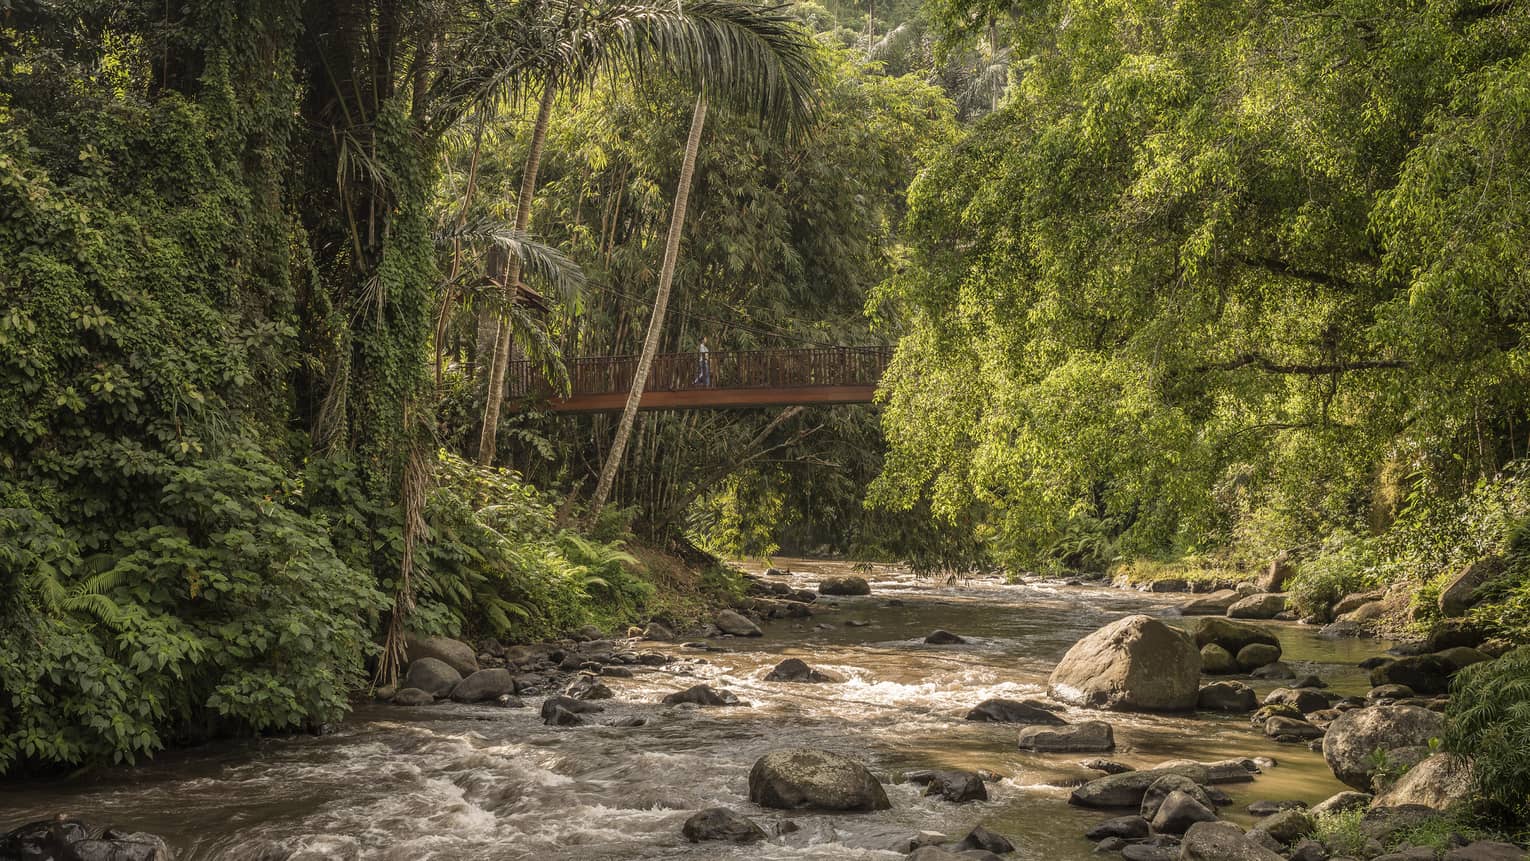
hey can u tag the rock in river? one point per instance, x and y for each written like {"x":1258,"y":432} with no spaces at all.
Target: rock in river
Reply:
{"x":942,"y":637}
{"x":70,"y":839}
{"x":433,"y":676}
{"x":1014,"y":711}
{"x":484,"y":685}
{"x":1402,"y":732}
{"x":957,"y":786}
{"x":1230,"y":635}
{"x":797,"y":670}
{"x":1214,"y":604}
{"x":720,"y":823}
{"x":1135,"y":663}
{"x":1179,"y":811}
{"x":844,"y":586}
{"x":704,"y":695}
{"x":807,"y":778}
{"x":1221,"y":841}
{"x":1256,"y":655}
{"x":1129,"y":788}
{"x":733,"y":623}
{"x":1088,"y":737}
{"x":1216,"y":660}
{"x":1227,"y":697}
{"x":454,"y":653}
{"x":1266,"y":606}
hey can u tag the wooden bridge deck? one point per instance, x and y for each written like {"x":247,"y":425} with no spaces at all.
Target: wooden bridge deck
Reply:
{"x":741,"y":378}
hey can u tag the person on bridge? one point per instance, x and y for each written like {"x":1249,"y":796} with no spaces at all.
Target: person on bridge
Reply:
{"x":703,"y":366}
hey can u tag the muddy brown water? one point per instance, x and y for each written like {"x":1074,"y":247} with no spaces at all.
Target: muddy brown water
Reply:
{"x":479,"y":782}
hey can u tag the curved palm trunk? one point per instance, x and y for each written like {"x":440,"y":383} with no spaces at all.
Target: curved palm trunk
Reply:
{"x":495,"y":398}
{"x":656,"y":321}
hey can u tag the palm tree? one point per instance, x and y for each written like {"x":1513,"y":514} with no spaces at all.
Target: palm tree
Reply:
{"x":786,"y":78}
{"x":752,"y":55}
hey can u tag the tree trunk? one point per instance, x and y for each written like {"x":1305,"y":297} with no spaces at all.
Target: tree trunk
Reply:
{"x":501,"y":359}
{"x":656,"y":321}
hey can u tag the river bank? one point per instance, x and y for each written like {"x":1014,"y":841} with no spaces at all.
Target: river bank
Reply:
{"x":479,"y":781}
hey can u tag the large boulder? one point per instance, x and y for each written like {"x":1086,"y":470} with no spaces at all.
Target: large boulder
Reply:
{"x":1276,"y":574}
{"x":454,"y":653}
{"x":1180,"y":811}
{"x":1464,"y":590}
{"x":1261,"y":606}
{"x":433,"y":676}
{"x":1401,"y":732}
{"x":1441,"y":782}
{"x":1166,"y":785}
{"x":1128,"y":788}
{"x":484,"y":685}
{"x":1087,"y":737}
{"x":1000,"y":710}
{"x":730,"y":622}
{"x":1136,"y":663}
{"x":720,"y":823}
{"x":844,"y":586}
{"x":1221,"y":841}
{"x":1425,"y":674}
{"x":1214,"y":604}
{"x":807,"y":778}
{"x":1227,"y":697}
{"x":1230,"y":635}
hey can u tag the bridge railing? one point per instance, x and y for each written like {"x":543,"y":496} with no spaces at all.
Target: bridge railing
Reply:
{"x":729,"y":369}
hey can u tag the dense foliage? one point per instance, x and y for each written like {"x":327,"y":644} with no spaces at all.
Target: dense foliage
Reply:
{"x":1220,"y":276}
{"x":221,"y":490}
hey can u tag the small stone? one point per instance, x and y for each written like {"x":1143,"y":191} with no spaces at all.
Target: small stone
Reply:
{"x":720,"y":823}
{"x":1108,"y":766}
{"x":981,"y":838}
{"x":704,"y":695}
{"x":942,"y":637}
{"x":588,"y":688}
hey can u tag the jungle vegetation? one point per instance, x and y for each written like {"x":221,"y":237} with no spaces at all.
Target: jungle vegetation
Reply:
{"x":1188,"y":282}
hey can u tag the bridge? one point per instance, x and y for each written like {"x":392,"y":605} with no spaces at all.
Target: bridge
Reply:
{"x":739,"y":378}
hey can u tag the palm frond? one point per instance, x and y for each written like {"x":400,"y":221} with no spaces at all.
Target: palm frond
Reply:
{"x":539,"y":260}
{"x":753,"y":57}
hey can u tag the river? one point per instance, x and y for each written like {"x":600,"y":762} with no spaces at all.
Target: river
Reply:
{"x":481,"y":782}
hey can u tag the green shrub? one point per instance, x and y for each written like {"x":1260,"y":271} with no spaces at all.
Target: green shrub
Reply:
{"x":230,"y":613}
{"x":1343,"y":565}
{"x":1341,"y":833}
{"x":496,"y":562}
{"x":1489,"y":722}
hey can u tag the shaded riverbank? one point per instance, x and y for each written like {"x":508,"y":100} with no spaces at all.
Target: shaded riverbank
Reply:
{"x":459,"y":781}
